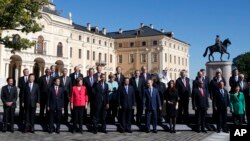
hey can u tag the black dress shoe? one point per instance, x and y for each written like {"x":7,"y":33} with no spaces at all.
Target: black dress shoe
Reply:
{"x":129,"y":131}
{"x":204,"y":131}
{"x":147,"y":131}
{"x":50,"y":131}
{"x":225,"y":131}
{"x":4,"y":130}
{"x":198,"y":131}
{"x":218,"y":131}
{"x":174,"y":131}
{"x":105,"y":131}
{"x":58,"y":131}
{"x":155,"y":131}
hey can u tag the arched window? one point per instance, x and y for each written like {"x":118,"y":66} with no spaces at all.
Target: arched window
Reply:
{"x":59,"y":49}
{"x":40,"y":46}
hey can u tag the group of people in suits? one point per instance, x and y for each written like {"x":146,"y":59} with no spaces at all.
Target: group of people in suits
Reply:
{"x":122,"y":98}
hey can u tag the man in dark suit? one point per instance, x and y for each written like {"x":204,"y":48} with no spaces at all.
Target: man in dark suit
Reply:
{"x":247,"y":103}
{"x":234,"y":79}
{"x":89,"y":81}
{"x":55,"y":105}
{"x":22,"y":84}
{"x":197,"y":80}
{"x":152,"y":104}
{"x":184,"y":93}
{"x":99,"y":72}
{"x":75,"y":75}
{"x":101,"y":103}
{"x":65,"y":83}
{"x":31,"y":100}
{"x":119,"y":77}
{"x":138,"y":86}
{"x":9,"y":97}
{"x":45,"y":82}
{"x":145,"y":76}
{"x":205,"y":79}
{"x":242,"y":83}
{"x":221,"y":105}
{"x":200,"y":105}
{"x":54,"y":74}
{"x":126,"y":103}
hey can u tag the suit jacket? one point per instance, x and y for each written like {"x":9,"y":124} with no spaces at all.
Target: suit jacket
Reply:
{"x":121,"y":79}
{"x":100,"y":95}
{"x":67,"y":86}
{"x":73,"y":78}
{"x":126,"y":100}
{"x":9,"y":96}
{"x":183,"y":92}
{"x":21,"y":85}
{"x":154,"y":102}
{"x":244,"y":86}
{"x":247,"y":97}
{"x":237,"y":103}
{"x":96,"y":75}
{"x":161,"y":87}
{"x":55,"y":75}
{"x":145,"y":80}
{"x":233,"y":82}
{"x":86,"y":82}
{"x":31,"y":97}
{"x":55,"y":102}
{"x":221,"y":102}
{"x":138,"y":90}
{"x":44,"y":87}
{"x":199,"y":101}
{"x":213,"y":85}
{"x":79,"y":98}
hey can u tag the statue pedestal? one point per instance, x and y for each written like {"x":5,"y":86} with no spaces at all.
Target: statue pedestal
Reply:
{"x":226,"y":68}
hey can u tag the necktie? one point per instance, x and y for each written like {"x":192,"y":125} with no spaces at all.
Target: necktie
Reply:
{"x":76,"y":75}
{"x":56,"y":90}
{"x":150,"y":91}
{"x":91,"y":81}
{"x":64,"y":80}
{"x":30,"y":85}
{"x":222,"y":92}
{"x":184,"y":82}
{"x":202,"y":93}
{"x":9,"y":88}
{"x":102,"y":87}
{"x":145,"y":75}
{"x":136,"y":80}
{"x":126,"y":89}
{"x":118,"y":77}
{"x":47,"y":79}
{"x":25,"y":79}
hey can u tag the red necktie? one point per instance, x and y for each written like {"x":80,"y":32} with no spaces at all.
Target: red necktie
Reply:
{"x":201,"y":90}
{"x":56,"y":90}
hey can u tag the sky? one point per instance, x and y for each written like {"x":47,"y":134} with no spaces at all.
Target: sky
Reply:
{"x":196,"y":22}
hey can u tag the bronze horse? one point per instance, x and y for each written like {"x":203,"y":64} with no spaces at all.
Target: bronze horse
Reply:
{"x":216,"y":48}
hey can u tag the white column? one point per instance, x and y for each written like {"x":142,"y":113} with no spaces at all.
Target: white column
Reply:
{"x":7,"y":70}
{"x":161,"y":58}
{"x":16,"y":74}
{"x":149,"y":55}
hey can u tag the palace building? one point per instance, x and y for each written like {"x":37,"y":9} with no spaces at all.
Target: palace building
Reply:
{"x":66,"y":44}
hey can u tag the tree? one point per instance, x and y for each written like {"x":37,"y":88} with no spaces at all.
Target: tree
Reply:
{"x":242,"y":63}
{"x":20,"y":15}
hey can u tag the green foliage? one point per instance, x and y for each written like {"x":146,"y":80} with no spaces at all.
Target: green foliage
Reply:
{"x":242,"y":62}
{"x":20,"y":15}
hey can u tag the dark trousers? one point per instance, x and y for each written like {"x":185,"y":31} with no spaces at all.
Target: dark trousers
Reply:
{"x":238,"y":119}
{"x":139,"y":112}
{"x":126,"y":119}
{"x":200,"y":116}
{"x":43,"y":109}
{"x":248,"y":114}
{"x":55,"y":116}
{"x":78,"y":112}
{"x":183,"y":110}
{"x":66,"y":104}
{"x":30,"y":113}
{"x":221,"y":119}
{"x":9,"y":113}
{"x":99,"y":115}
{"x":112,"y":112}
{"x":152,"y":113}
{"x":21,"y":111}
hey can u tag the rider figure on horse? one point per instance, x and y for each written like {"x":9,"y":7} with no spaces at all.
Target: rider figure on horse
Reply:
{"x":219,"y":43}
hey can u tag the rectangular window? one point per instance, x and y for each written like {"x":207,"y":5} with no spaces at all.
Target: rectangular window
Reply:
{"x":105,"y":57}
{"x":155,"y":43}
{"x":183,"y":61}
{"x":131,"y":58}
{"x":120,"y":44}
{"x":70,"y":52}
{"x":166,"y":57}
{"x":174,"y":59}
{"x":111,"y":59}
{"x":179,"y":61}
{"x":93,"y":56}
{"x":93,"y":41}
{"x":105,"y":43}
{"x":88,"y":39}
{"x":80,"y":37}
{"x":154,"y":57}
{"x":132,"y":44}
{"x":100,"y":57}
{"x":143,"y":58}
{"x":120,"y":59}
{"x":87,"y":54}
{"x":144,"y":43}
{"x":80,"y":54}
{"x":111,"y":44}
{"x":100,"y":42}
{"x":170,"y":58}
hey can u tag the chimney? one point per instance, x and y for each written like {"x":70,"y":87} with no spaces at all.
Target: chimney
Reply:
{"x":97,"y":29}
{"x":88,"y":26}
{"x":151,"y":26}
{"x":162,"y":30}
{"x":120,"y":31}
{"x":142,"y":24}
{"x":104,"y":31}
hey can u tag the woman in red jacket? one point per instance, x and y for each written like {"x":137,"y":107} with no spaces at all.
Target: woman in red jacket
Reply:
{"x":79,"y":101}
